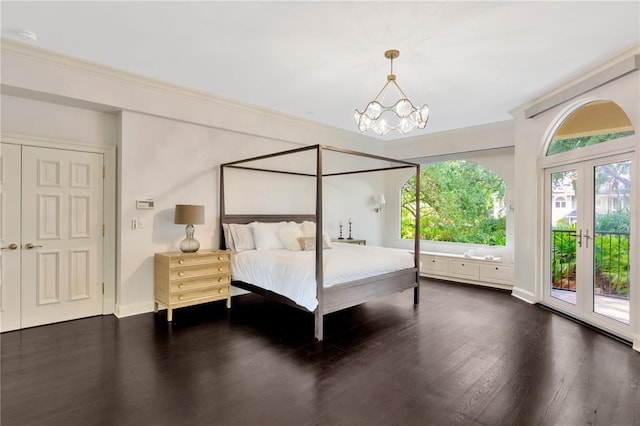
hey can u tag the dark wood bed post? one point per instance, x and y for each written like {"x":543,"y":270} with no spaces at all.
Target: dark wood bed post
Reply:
{"x":319,"y":314}
{"x":416,"y":250}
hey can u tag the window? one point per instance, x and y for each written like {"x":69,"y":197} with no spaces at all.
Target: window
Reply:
{"x":561,"y":203}
{"x":460,"y":201}
{"x":591,"y":124}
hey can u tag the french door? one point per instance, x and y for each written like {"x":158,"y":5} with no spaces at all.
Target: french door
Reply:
{"x":588,"y":241}
{"x":51,"y":205}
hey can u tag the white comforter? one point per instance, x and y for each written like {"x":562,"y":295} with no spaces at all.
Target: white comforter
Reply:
{"x":292,"y":273}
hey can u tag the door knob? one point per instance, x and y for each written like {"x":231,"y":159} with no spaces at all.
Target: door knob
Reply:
{"x":30,"y":246}
{"x":12,"y":246}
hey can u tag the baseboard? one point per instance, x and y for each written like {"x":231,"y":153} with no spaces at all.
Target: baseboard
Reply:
{"x":636,"y":343}
{"x":235,"y":291}
{"x":123,"y":311}
{"x":524,"y":295}
{"x":108,"y":306}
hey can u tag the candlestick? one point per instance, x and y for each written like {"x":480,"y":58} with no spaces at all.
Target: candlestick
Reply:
{"x":340,"y":226}
{"x":349,"y":238}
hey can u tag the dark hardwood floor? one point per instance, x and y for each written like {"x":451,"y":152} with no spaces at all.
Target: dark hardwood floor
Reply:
{"x":466,"y":355}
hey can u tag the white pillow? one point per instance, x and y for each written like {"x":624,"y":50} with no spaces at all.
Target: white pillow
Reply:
{"x":289,"y":235}
{"x":265,"y":235}
{"x":326,"y":240}
{"x":242,"y":237}
{"x":228,"y":239}
{"x":309,"y":230}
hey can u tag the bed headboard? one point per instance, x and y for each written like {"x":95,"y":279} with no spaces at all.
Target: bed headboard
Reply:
{"x":248,"y":218}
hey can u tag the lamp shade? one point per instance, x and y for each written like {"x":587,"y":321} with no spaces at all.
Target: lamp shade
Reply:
{"x":381,"y":199}
{"x":188,"y":214}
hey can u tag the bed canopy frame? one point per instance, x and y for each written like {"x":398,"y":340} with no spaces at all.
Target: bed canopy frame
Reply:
{"x":345,"y":295}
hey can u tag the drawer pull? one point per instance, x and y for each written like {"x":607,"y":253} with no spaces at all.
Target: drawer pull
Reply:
{"x":496,"y":268}
{"x":220,"y":290}
{"x":181,"y":285}
{"x":181,"y":261}
{"x":180,"y":274}
{"x":463,"y":264}
{"x":220,"y":279}
{"x":181,"y":297}
{"x":433,"y":260}
{"x":220,"y":269}
{"x":220,"y":257}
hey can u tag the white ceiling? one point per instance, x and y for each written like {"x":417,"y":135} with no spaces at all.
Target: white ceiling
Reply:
{"x":470,"y":61}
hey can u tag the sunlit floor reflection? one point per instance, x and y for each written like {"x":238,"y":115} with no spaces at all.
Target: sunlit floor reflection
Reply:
{"x":612,"y":307}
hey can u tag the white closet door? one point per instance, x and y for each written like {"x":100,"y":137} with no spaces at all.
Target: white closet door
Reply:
{"x":62,"y":205}
{"x":10,"y":237}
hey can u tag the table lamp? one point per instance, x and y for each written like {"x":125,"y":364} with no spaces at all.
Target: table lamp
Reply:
{"x":188,"y":214}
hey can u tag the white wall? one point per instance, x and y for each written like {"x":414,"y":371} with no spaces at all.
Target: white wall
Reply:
{"x":170,"y":144}
{"x":39,"y":119}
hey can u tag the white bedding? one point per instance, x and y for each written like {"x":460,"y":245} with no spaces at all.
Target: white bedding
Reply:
{"x":292,"y":273}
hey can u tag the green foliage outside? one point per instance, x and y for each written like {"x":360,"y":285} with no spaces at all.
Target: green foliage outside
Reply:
{"x":611,"y":254}
{"x":563,"y":145}
{"x":456,"y":204}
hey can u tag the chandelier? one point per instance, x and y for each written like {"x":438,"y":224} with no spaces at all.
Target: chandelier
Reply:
{"x":407,"y":117}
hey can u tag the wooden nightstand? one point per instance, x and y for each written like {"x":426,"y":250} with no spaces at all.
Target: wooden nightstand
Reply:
{"x":353,"y":241}
{"x":185,"y":279}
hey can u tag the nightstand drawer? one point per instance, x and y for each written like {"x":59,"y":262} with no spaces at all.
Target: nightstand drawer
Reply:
{"x":199,"y":294}
{"x":199,"y":259}
{"x":198,"y":271}
{"x":199,"y":283}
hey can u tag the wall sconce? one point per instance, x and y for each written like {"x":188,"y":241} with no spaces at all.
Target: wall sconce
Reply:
{"x":187,"y":214}
{"x":380,"y":201}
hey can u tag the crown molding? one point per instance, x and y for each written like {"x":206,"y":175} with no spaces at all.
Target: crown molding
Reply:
{"x":471,"y":130}
{"x":580,"y":78}
{"x":44,"y":55}
{"x":48,"y":56}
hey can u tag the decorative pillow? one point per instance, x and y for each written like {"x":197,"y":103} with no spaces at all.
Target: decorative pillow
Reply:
{"x":289,"y":235}
{"x":309,"y":230}
{"x":309,"y":243}
{"x":265,"y":235}
{"x":242,"y":237}
{"x":228,"y":239}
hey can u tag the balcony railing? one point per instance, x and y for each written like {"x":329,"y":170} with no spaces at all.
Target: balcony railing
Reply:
{"x":611,"y":261}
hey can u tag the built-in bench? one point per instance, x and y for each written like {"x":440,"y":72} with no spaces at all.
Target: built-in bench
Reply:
{"x":481,"y":270}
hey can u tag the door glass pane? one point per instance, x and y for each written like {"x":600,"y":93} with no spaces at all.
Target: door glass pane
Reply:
{"x":563,"y":235}
{"x":612,"y":185}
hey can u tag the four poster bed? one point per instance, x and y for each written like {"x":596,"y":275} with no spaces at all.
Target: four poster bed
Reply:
{"x":339,"y":278}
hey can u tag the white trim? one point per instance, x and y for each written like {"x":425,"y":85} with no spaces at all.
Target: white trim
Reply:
{"x":614,"y":72}
{"x":110,"y":223}
{"x":109,"y":199}
{"x":46,"y":56}
{"x":524,"y":295}
{"x":578,"y":78}
{"x":122,"y":311}
{"x":22,"y":139}
{"x":636,"y":342}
